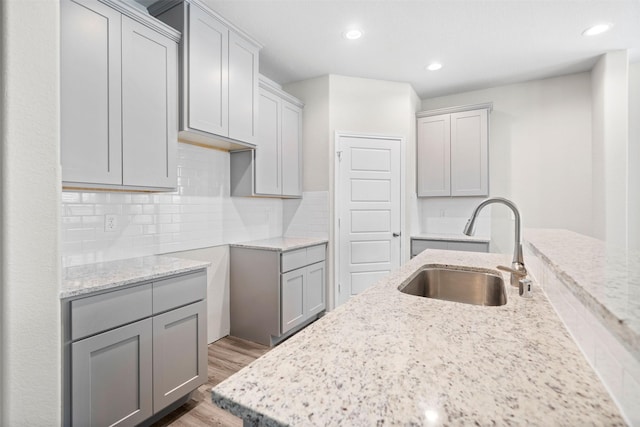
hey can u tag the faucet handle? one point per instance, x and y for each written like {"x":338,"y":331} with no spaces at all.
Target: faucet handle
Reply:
{"x":519,"y":273}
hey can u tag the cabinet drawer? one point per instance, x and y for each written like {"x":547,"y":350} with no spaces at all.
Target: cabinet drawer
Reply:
{"x":315,"y":254}
{"x":302,"y":257}
{"x":178,"y":291}
{"x":294,"y":259}
{"x":98,"y":313}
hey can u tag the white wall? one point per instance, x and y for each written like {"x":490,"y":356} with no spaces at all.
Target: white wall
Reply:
{"x":315,"y":133}
{"x":338,"y":103}
{"x":610,"y":87}
{"x":30,"y":215}
{"x":634,"y":157}
{"x":539,"y":152}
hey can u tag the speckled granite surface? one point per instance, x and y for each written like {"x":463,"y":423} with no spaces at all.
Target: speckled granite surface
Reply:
{"x":605,"y":279}
{"x":386,"y":358}
{"x":281,"y":243}
{"x":90,"y":278}
{"x":451,"y":237}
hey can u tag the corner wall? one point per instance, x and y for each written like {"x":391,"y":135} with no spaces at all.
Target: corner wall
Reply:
{"x":634,"y":157}
{"x":610,"y":88}
{"x":30,"y":192}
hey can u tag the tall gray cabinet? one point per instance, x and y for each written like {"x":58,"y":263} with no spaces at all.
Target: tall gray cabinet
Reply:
{"x":133,"y":352}
{"x":118,"y":97}
{"x":274,"y":168}
{"x":218,"y":76}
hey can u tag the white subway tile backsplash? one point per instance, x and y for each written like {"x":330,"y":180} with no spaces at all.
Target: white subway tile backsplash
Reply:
{"x":199,"y":214}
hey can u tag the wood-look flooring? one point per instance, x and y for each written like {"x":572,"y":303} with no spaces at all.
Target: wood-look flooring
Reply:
{"x":226,"y":357}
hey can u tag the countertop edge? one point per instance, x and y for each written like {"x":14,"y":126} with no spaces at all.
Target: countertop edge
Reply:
{"x":451,"y":238}
{"x":615,"y":325}
{"x":272,"y":245}
{"x":152,"y":274}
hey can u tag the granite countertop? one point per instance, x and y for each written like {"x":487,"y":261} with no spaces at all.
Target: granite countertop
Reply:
{"x":394,"y":359}
{"x":451,"y":237}
{"x":89,"y":278}
{"x":605,"y":279}
{"x":281,"y":243}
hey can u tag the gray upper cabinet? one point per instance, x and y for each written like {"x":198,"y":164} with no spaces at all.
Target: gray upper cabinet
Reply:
{"x":274,"y":168}
{"x":91,"y":148}
{"x":452,"y":152}
{"x":118,"y":97}
{"x":219,"y":76}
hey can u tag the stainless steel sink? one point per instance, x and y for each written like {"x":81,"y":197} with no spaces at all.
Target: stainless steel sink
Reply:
{"x":450,"y":284}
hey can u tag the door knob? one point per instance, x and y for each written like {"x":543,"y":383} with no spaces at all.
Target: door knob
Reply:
{"x":396,"y":234}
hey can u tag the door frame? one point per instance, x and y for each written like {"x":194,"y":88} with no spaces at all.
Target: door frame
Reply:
{"x":337,"y":194}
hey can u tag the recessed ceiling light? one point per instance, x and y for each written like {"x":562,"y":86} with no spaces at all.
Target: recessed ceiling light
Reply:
{"x":434,"y":66}
{"x":352,"y":34}
{"x":597,"y":29}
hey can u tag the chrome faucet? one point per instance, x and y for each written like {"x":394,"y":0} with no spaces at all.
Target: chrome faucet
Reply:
{"x":517,"y":269}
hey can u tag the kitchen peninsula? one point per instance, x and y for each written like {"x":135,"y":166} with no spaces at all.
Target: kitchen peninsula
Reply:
{"x":385,"y":357}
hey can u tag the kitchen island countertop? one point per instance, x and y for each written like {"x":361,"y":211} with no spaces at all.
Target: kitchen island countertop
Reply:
{"x":389,"y":358}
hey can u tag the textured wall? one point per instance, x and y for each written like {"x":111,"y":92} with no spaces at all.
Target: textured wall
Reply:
{"x":30,"y":192}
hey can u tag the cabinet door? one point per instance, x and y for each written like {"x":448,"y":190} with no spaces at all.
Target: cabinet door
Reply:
{"x":149,"y":115}
{"x":179,"y":353}
{"x":208,"y":64}
{"x":314,"y":289}
{"x":267,"y":156}
{"x":292,"y":300}
{"x":291,"y":137}
{"x":90,"y":93}
{"x":112,"y":377}
{"x":469,"y":154}
{"x":433,"y":162}
{"x":243,"y":89}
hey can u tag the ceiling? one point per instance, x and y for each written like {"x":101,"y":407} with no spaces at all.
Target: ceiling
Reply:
{"x":481,"y":43}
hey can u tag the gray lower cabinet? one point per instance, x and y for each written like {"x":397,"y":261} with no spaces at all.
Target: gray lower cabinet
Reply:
{"x":274,"y":293}
{"x":133,"y":352}
{"x":302,"y":295}
{"x":112,"y":379}
{"x":419,"y":245}
{"x":179,"y":341}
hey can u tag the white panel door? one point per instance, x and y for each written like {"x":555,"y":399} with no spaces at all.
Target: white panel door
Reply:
{"x":369,"y":221}
{"x":434,"y":156}
{"x":208,"y":66}
{"x":149,"y":116}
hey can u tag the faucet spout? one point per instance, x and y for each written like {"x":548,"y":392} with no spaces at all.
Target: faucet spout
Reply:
{"x":518,"y":260}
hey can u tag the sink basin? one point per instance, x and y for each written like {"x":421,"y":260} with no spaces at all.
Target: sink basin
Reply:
{"x":450,"y":284}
